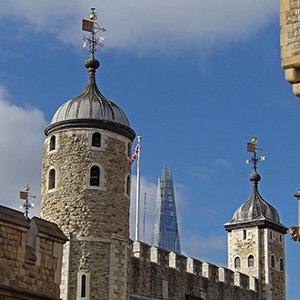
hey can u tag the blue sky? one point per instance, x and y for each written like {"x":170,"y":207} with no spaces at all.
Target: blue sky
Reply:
{"x":196,"y":79}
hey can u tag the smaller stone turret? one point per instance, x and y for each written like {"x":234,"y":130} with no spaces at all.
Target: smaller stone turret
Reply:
{"x":256,"y":240}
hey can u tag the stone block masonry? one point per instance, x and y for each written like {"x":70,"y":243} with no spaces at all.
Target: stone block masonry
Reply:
{"x":94,"y":217}
{"x":290,"y":42}
{"x":30,"y":257}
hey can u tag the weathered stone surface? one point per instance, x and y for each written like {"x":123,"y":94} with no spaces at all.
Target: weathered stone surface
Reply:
{"x":261,"y":243}
{"x":290,"y":40}
{"x":158,"y":280}
{"x":23,"y":276}
{"x":96,"y":218}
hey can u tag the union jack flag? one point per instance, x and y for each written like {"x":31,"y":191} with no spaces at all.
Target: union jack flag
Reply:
{"x":135,"y":153}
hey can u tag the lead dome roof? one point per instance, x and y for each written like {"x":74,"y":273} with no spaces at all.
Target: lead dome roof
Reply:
{"x":90,"y":106}
{"x":255,"y":211}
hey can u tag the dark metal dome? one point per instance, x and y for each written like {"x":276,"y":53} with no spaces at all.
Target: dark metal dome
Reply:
{"x":91,"y":104}
{"x":255,"y":211}
{"x":256,"y":208}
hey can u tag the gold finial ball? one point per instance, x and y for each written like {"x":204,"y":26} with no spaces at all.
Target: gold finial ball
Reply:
{"x":93,"y":14}
{"x":27,"y":188}
{"x":254,"y":139}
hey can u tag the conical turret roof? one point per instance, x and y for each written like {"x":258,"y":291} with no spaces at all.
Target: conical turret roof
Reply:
{"x":255,"y":211}
{"x":91,"y":109}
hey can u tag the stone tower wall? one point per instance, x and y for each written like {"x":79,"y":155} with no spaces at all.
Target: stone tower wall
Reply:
{"x":95,"y":219}
{"x":274,"y":277}
{"x":256,"y":241}
{"x":242,"y":243}
{"x":74,"y":205}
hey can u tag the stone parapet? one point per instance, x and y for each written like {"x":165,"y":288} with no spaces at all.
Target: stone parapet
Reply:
{"x":184,"y":276}
{"x":30,"y":257}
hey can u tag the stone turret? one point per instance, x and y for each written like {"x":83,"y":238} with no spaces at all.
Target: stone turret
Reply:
{"x":256,"y":244}
{"x":86,"y":190}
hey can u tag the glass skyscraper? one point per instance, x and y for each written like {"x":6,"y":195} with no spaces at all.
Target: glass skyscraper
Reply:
{"x":165,"y":227}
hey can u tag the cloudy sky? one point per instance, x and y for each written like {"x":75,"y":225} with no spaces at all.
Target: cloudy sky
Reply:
{"x":196,"y":78}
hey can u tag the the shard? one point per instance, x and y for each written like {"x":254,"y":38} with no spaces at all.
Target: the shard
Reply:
{"x":165,"y":227}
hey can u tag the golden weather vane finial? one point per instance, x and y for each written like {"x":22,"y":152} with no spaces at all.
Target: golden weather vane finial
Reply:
{"x":93,"y":14}
{"x":252,"y":147}
{"x":91,"y":26}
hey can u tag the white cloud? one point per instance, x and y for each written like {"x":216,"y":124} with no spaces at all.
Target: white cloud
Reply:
{"x":168,"y":26}
{"x":21,"y":148}
{"x":150,"y":189}
{"x":201,"y":173}
{"x":222,"y":163}
{"x":205,"y":173}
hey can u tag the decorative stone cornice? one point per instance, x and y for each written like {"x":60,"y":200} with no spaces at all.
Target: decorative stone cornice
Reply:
{"x":91,"y":123}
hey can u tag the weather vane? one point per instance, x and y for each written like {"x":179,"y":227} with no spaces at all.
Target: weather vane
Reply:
{"x":26,"y":205}
{"x":252,"y":147}
{"x":92,"y":26}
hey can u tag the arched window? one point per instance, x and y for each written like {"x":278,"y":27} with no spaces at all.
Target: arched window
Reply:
{"x":51,"y":183}
{"x":128,"y":185}
{"x":281,"y":264}
{"x":250,"y":261}
{"x":83,"y":286}
{"x":96,"y":140}
{"x":52,"y":142}
{"x":272,"y":261}
{"x":129,"y":150}
{"x":95,"y":176}
{"x":237,"y":262}
{"x":244,"y":234}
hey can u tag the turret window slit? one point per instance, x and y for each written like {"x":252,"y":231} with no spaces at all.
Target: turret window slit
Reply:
{"x":237,"y":262}
{"x":83,"y":286}
{"x":52,"y":142}
{"x":95,"y":176}
{"x":96,"y":140}
{"x":51,"y":183}
{"x":250,"y":261}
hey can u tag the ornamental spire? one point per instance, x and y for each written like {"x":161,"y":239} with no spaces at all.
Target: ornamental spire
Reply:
{"x":92,"y":26}
{"x":253,"y":147}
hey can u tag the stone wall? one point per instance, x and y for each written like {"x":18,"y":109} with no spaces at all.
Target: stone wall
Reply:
{"x":158,"y":274}
{"x":261,"y":243}
{"x":290,"y":42}
{"x":276,"y":275}
{"x":30,"y":257}
{"x":242,"y":243}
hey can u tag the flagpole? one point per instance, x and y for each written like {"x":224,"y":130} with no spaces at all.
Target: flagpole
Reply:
{"x":137,"y":213}
{"x":144,"y":221}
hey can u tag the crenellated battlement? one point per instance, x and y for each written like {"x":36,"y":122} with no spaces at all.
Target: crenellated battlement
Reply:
{"x":174,"y":273}
{"x":30,"y":256}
